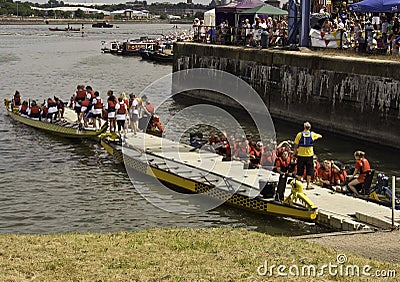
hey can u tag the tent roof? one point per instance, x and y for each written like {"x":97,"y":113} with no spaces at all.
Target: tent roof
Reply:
{"x":212,"y":11}
{"x":237,"y":6}
{"x":265,"y":9}
{"x":378,"y":6}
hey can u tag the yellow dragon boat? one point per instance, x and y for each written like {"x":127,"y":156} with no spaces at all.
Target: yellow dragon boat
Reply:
{"x":177,"y":164}
{"x":65,"y":128}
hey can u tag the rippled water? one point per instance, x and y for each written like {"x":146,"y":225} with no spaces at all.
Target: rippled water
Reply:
{"x":50,"y":184}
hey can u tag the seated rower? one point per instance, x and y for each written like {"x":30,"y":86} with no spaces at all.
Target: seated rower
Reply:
{"x":52,"y":110}
{"x":44,"y":111}
{"x":285,"y":166}
{"x":255,"y":155}
{"x":156,"y":124}
{"x":241,"y":150}
{"x":339,"y":176}
{"x":34,"y":112}
{"x":23,"y":109}
{"x":362,"y":167}
{"x":324,"y":175}
{"x":60,"y":107}
{"x":16,"y":101}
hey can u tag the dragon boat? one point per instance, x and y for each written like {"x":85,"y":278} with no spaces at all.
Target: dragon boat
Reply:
{"x":66,"y":127}
{"x":204,"y":172}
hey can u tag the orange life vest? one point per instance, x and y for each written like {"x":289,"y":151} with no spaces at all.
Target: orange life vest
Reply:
{"x":111,"y":105}
{"x":122,"y":108}
{"x":80,"y":95}
{"x":35,"y":112}
{"x":85,"y":103}
{"x":51,"y":103}
{"x":17,"y":100}
{"x":99,"y":103}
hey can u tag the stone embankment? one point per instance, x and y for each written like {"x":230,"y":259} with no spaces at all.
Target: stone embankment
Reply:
{"x":357,"y":97}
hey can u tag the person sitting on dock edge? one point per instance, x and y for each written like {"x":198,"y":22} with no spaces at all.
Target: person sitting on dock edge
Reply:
{"x":361,"y":168}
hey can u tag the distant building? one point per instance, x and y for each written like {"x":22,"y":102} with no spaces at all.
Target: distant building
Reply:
{"x":189,"y":1}
{"x":131,"y":14}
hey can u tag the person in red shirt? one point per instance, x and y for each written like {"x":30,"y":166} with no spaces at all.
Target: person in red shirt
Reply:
{"x":361,"y":168}
{"x":324,"y":175}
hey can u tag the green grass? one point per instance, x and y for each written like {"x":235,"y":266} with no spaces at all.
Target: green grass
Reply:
{"x":161,"y":255}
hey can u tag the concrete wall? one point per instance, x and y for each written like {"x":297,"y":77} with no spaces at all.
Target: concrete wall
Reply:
{"x":352,"y":96}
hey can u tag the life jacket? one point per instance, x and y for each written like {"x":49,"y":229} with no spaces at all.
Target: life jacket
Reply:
{"x":122,"y":108}
{"x":45,"y":111}
{"x":17,"y":100}
{"x":85,"y":103}
{"x":111,"y":104}
{"x":35,"y":112}
{"x":256,"y":153}
{"x":365,"y":166}
{"x":24,"y":109}
{"x":51,"y":103}
{"x":306,"y":139}
{"x":150,"y":108}
{"x":60,"y":104}
{"x":80,"y":95}
{"x":126,"y":101}
{"x":284,"y":164}
{"x":99,"y":103}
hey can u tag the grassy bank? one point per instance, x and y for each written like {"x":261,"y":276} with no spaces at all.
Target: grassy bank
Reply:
{"x":162,"y":254}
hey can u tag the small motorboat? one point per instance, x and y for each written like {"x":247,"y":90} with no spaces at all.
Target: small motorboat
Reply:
{"x":102,"y":25}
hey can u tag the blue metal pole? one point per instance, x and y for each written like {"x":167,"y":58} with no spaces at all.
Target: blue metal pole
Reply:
{"x":305,"y":23}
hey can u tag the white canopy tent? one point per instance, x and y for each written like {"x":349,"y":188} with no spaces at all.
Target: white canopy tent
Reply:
{"x":209,"y":18}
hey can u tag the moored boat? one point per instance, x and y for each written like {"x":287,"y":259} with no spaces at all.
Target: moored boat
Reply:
{"x":163,"y":57}
{"x":132,"y":48}
{"x":146,"y":54}
{"x":102,"y":25}
{"x":111,"y":47}
{"x":252,"y":190}
{"x":65,"y":127}
{"x":70,"y":29}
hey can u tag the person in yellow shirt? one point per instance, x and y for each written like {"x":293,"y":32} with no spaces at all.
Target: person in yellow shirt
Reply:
{"x":304,"y":150}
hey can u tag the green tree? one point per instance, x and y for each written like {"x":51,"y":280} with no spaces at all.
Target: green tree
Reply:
{"x":79,"y":14}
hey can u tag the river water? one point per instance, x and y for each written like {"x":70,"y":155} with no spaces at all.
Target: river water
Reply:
{"x":52,"y":185}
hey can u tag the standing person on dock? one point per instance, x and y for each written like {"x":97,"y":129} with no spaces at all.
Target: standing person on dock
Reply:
{"x":121,"y":116}
{"x":110,"y":107}
{"x":362,"y":167}
{"x":97,"y":110}
{"x":304,"y":151}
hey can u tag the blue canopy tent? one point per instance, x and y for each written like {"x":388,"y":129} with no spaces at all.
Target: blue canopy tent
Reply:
{"x":378,"y":6}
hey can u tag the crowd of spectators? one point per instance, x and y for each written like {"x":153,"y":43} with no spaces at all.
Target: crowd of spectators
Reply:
{"x":363,"y":32}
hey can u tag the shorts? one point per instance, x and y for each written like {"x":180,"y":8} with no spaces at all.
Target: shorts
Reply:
{"x":96,"y":115}
{"x":305,"y":163}
{"x":134,"y":117}
{"x":111,"y":115}
{"x":77,"y":110}
{"x":121,"y":124}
